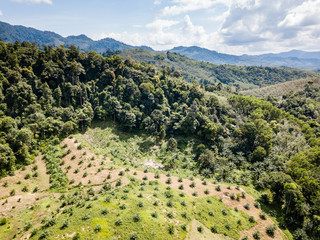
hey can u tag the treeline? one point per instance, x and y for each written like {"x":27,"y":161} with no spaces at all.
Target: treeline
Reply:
{"x":245,"y":140}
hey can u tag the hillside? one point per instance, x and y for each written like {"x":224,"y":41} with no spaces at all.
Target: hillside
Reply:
{"x":10,"y":33}
{"x":281,"y":89}
{"x":239,"y":76}
{"x":229,"y":164}
{"x":294,"y":58}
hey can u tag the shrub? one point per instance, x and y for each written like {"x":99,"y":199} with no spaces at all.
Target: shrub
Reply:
{"x":89,"y":165}
{"x":86,"y":216}
{"x":263,"y":216}
{"x":73,"y":157}
{"x":184,"y":227}
{"x":183,"y":203}
{"x":65,"y":224}
{"x":33,"y":232}
{"x":247,"y":206}
{"x":44,"y":234}
{"x":209,"y":201}
{"x":232,"y":196}
{"x":181,"y":187}
{"x":156,"y":175}
{"x":171,"y":229}
{"x":170,"y":214}
{"x":204,"y":182}
{"x":224,"y":212}
{"x":25,"y":189}
{"x":109,"y":176}
{"x":71,"y":181}
{"x":140,"y":195}
{"x":104,"y":211}
{"x":236,"y":209}
{"x":27,"y":176}
{"x":206,"y":191}
{"x":98,"y":228}
{"x":191,"y":178}
{"x":245,"y":238}
{"x":211,"y":213}
{"x":76,"y":236}
{"x":122,"y":206}
{"x":168,"y":194}
{"x":76,"y":171}
{"x":257,"y":205}
{"x":228,"y":226}
{"x":195,"y":194}
{"x":36,"y":189}
{"x":251,"y":219}
{"x":169,"y":203}
{"x":136,"y":217}
{"x":80,"y":147}
{"x":154,"y":215}
{"x":256,"y":235}
{"x":118,"y":183}
{"x":169,"y":180}
{"x":36,"y":174}
{"x":134,"y":236}
{"x":243,"y":194}
{"x":121,"y":173}
{"x":118,"y":222}
{"x":184,"y":215}
{"x":192,"y":185}
{"x":5,"y":184}
{"x":200,"y":229}
{"x":214,"y":229}
{"x":3,"y":221}
{"x":180,"y":179}
{"x":181,"y":194}
{"x":239,"y":222}
{"x":140,"y":204}
{"x":270,"y":230}
{"x":218,"y":188}
{"x":85,"y":174}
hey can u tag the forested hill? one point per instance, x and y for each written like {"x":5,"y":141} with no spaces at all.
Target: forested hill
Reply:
{"x":240,"y":76}
{"x":235,"y":139}
{"x":10,"y":33}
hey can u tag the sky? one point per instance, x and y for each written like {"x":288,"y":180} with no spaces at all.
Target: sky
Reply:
{"x":227,"y":26}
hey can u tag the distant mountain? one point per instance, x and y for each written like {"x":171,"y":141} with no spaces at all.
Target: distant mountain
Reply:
{"x":242,"y":77}
{"x":294,"y":58}
{"x":10,"y":33}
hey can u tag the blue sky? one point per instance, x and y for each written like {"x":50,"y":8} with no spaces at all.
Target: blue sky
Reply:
{"x":229,"y":26}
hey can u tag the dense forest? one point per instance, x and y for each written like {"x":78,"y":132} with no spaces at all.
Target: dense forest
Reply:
{"x":243,"y":140}
{"x":241,"y":77}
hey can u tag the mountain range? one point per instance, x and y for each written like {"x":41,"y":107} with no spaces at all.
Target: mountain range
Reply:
{"x":294,"y":58}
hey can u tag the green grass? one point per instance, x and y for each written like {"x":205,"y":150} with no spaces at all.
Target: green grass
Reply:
{"x":147,"y":227}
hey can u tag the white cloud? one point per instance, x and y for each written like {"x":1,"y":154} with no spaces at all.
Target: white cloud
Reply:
{"x":241,"y":26}
{"x":183,"y":6}
{"x":157,"y":2}
{"x":34,"y":1}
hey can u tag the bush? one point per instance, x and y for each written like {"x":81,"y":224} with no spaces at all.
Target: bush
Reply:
{"x":36,"y":174}
{"x":184,"y":215}
{"x":65,"y":224}
{"x":98,"y":228}
{"x":183,"y":203}
{"x":134,"y":236}
{"x":270,"y":230}
{"x":170,"y":214}
{"x":5,"y":184}
{"x":169,"y":180}
{"x":121,"y":173}
{"x":118,"y":183}
{"x":104,"y":211}
{"x":200,"y":229}
{"x":263,"y":216}
{"x":195,"y":194}
{"x":136,"y":217}
{"x":122,"y":206}
{"x":3,"y":221}
{"x":27,"y":176}
{"x":180,"y":179}
{"x":256,"y":235}
{"x":218,"y":188}
{"x":76,"y":236}
{"x":36,"y":189}
{"x":154,"y":215}
{"x":184,"y":227}
{"x":85,"y":174}
{"x":224,"y":212}
{"x":171,"y":229}
{"x":118,"y":222}
{"x":193,"y":184}
{"x":156,"y":175}
{"x":181,"y":187}
{"x":257,"y":205}
{"x":140,"y":204}
{"x":251,"y":219}
{"x":211,"y":213}
{"x":73,"y":157}
{"x":86,"y":217}
{"x":214,"y":229}
{"x":25,"y":189}
{"x":247,"y":206}
{"x":232,"y":196}
{"x":228,"y":226}
{"x":206,"y":191}
{"x":169,"y":203}
{"x":44,"y":234}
